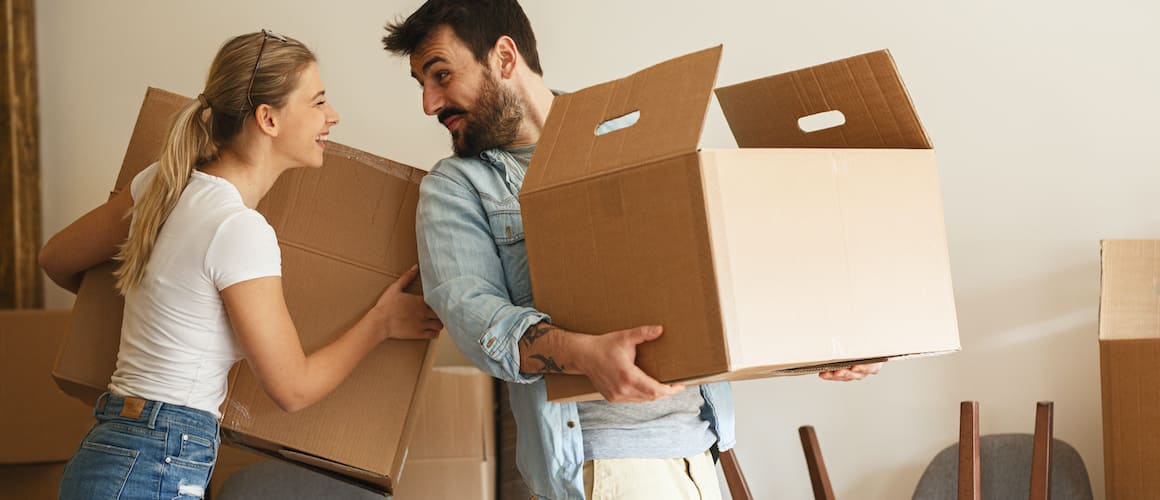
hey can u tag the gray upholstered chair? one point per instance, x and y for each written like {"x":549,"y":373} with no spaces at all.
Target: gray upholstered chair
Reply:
{"x":1005,"y":466}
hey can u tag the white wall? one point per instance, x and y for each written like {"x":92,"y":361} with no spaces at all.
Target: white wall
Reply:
{"x":1042,"y":113}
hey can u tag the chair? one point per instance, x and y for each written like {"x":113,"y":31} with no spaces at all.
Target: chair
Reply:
{"x":739,"y":488}
{"x":1005,"y":466}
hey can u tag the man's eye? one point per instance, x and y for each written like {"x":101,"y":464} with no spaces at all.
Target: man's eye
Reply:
{"x":442,"y":75}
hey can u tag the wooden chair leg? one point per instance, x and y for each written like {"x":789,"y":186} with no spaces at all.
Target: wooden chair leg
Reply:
{"x":1041,"y":456}
{"x":969,"y":477}
{"x":734,"y":477}
{"x":819,"y":478}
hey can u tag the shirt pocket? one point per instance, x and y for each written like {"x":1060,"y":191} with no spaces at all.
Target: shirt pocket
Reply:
{"x":507,"y":230}
{"x":507,"y":227}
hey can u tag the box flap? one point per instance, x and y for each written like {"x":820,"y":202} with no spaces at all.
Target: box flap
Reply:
{"x":1130,"y":289}
{"x":866,"y":89}
{"x":672,"y":99}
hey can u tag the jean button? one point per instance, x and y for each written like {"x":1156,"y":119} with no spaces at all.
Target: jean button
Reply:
{"x":168,"y":460}
{"x":185,"y":437}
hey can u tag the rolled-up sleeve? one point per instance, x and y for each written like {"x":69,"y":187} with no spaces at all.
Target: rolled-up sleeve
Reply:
{"x":463,"y":278}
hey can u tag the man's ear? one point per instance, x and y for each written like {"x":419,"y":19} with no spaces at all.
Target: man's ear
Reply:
{"x":266,"y":119}
{"x":506,"y":56}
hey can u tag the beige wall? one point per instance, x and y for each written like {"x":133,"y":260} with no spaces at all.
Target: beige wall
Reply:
{"x":1041,"y":112}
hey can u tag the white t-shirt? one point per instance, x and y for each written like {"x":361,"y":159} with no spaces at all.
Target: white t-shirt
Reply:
{"x":177,"y":345}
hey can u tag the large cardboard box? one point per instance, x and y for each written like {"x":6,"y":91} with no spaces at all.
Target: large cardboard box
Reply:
{"x":31,"y":482}
{"x":346,"y":231}
{"x":1129,"y":354}
{"x":453,"y":454}
{"x":39,"y":423}
{"x":800,"y":251}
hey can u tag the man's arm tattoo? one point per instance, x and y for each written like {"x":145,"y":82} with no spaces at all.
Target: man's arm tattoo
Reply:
{"x":538,"y":330}
{"x":550,"y":365}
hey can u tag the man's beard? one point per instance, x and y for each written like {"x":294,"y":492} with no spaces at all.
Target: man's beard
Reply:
{"x":493,"y":122}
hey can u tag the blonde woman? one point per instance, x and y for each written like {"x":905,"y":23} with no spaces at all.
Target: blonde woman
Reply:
{"x":201,"y":273}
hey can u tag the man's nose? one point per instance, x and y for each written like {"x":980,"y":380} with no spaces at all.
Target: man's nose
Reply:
{"x":432,"y":100}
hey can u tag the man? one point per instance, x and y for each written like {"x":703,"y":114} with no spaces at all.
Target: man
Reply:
{"x":479,"y":70}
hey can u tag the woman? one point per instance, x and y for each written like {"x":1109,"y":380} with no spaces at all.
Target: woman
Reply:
{"x":201,"y":273}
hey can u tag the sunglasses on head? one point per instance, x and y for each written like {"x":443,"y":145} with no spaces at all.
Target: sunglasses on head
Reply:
{"x":266,"y":35}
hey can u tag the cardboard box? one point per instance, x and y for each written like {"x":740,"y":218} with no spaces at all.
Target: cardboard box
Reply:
{"x":346,"y":231}
{"x":30,"y":482}
{"x":453,"y":454}
{"x":1129,"y":354}
{"x":448,"y":479}
{"x":41,"y":424}
{"x":799,"y":252}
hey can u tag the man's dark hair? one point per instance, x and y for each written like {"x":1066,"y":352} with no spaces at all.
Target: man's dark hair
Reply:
{"x":479,"y":23}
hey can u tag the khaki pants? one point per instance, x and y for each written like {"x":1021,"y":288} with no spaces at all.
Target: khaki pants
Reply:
{"x":692,"y":478}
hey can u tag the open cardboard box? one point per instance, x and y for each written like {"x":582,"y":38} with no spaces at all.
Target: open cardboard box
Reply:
{"x":798,"y":252}
{"x":346,"y":231}
{"x":1129,"y":354}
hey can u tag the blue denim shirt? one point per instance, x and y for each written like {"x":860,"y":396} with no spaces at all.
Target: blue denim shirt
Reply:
{"x":475,"y":276}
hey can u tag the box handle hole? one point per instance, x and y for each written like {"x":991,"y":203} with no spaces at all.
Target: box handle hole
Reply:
{"x":821,"y":121}
{"x":619,"y":123}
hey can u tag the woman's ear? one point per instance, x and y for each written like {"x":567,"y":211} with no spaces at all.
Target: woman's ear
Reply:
{"x":266,"y":119}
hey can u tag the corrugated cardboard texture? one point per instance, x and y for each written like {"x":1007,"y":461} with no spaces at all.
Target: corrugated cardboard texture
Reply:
{"x":866,"y":89}
{"x":1131,"y":404}
{"x":452,"y":452}
{"x":456,"y":416}
{"x":1130,"y":289}
{"x":40,"y":424}
{"x":672,"y":99}
{"x":88,"y":354}
{"x":30,"y":482}
{"x":1129,"y":354}
{"x":346,"y":231}
{"x":447,"y":479}
{"x":843,"y":247}
{"x":635,"y":252}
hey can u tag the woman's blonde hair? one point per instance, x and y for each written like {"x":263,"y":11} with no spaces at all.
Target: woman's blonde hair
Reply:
{"x":248,"y":71}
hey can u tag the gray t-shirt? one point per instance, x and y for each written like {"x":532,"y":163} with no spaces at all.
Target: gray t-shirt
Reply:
{"x":668,"y":428}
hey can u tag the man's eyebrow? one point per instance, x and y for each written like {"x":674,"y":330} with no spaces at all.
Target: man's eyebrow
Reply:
{"x":432,"y":61}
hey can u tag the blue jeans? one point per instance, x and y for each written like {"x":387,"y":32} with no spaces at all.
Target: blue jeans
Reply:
{"x":142,"y":449}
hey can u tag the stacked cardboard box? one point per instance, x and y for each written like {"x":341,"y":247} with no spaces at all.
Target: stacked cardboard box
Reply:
{"x":41,"y":427}
{"x":346,"y":231}
{"x":1129,"y":355}
{"x":801,"y":251}
{"x":453,"y":454}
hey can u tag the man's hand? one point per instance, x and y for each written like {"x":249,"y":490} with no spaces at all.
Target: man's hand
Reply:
{"x":856,"y":372}
{"x":609,"y":361}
